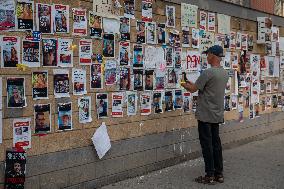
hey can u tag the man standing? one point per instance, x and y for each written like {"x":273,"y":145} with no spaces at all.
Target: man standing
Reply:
{"x":209,"y":113}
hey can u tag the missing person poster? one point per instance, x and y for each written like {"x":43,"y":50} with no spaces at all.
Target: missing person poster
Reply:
{"x":102,"y":105}
{"x":15,"y":169}
{"x":149,"y":80}
{"x":109,"y":45}
{"x":169,"y":105}
{"x":158,"y":102}
{"x":65,"y":52}
{"x":79,"y":81}
{"x":117,"y":104}
{"x":178,"y":99}
{"x":138,"y":79}
{"x":85,"y":113}
{"x":187,"y":102}
{"x":211,"y":22}
{"x":147,"y":10}
{"x":151,"y":33}
{"x":10,"y":51}
{"x":124,"y":29}
{"x":24,"y":15}
{"x":124,"y":53}
{"x":79,"y":22}
{"x":85,"y":52}
{"x":49,"y":52}
{"x":140,"y":32}
{"x":16,"y":97}
{"x":124,"y":78}
{"x":22,"y":133}
{"x":31,"y":53}
{"x":44,"y":18}
{"x":161,"y":33}
{"x":7,"y":16}
{"x":42,"y":118}
{"x":129,"y":9}
{"x":96,"y":80}
{"x":64,"y":120}
{"x":170,"y":15}
{"x":131,"y":102}
{"x":145,"y":103}
{"x":61,"y":18}
{"x":169,"y":53}
{"x":110,"y":72}
{"x":160,"y":80}
{"x":61,"y":83}
{"x":40,"y":85}
{"x":138,"y":52}
{"x":96,"y":25}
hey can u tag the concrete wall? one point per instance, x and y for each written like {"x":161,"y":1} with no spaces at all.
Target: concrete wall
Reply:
{"x":139,"y":144}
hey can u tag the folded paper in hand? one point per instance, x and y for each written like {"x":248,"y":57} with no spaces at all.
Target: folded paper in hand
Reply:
{"x":101,"y":140}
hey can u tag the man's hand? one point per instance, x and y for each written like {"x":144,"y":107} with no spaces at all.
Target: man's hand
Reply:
{"x":189,"y":86}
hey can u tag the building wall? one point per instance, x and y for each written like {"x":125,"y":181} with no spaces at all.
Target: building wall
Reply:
{"x":139,"y":144}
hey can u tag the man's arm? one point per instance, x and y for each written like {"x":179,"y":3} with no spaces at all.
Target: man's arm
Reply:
{"x":190,"y":86}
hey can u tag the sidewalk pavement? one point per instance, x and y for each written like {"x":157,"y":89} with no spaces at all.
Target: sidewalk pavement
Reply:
{"x":257,"y":165}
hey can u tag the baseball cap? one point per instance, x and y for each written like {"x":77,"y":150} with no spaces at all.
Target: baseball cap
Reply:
{"x":216,"y":50}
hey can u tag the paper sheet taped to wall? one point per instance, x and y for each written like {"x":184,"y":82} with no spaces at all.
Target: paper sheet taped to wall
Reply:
{"x":101,"y":140}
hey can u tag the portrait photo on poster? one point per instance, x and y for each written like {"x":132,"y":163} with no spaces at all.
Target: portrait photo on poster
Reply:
{"x":124,"y":78}
{"x":79,"y":81}
{"x":61,"y":18}
{"x":85,"y":112}
{"x":24,"y":15}
{"x":49,"y":52}
{"x":96,"y":76}
{"x":102,"y":105}
{"x":145,"y":103}
{"x":43,"y":17}
{"x":140,"y":32}
{"x":79,"y":22}
{"x":124,"y":29}
{"x":16,"y":96}
{"x":64,"y":119}
{"x":131,"y":99}
{"x":169,"y":104}
{"x":42,"y":118}
{"x":96,"y":26}
{"x":157,"y":102}
{"x":138,"y":79}
{"x":10,"y":51}
{"x":65,"y":52}
{"x":40,"y":85}
{"x":161,"y":33}
{"x":15,"y":169}
{"x":61,"y":83}
{"x":31,"y":53}
{"x":138,"y":52}
{"x":109,"y":45}
{"x":124,"y":53}
{"x":110,"y":72}
{"x":85,"y":52}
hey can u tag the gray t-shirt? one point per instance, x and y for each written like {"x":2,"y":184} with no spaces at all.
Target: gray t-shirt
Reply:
{"x":210,"y":103}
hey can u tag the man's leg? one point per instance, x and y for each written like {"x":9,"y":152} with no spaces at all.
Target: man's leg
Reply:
{"x":217,"y":149}
{"x":205,"y":138}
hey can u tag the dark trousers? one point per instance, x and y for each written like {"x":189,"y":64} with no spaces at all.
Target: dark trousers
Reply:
{"x":211,"y":147}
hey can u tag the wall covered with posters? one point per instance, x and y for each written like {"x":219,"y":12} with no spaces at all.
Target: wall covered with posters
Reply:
{"x":66,"y":67}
